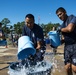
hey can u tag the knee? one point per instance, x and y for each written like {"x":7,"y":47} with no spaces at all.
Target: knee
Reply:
{"x":74,"y":68}
{"x":67,"y":67}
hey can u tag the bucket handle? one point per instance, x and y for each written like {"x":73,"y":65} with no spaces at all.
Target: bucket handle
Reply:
{"x":26,"y":43}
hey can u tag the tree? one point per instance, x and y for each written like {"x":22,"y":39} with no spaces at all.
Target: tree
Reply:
{"x":5,"y":23}
{"x":48,"y":27}
{"x":18,"y":27}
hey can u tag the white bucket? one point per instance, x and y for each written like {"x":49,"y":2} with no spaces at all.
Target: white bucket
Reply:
{"x":25,"y":47}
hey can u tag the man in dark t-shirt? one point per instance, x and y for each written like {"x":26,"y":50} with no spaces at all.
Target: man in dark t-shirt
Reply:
{"x":2,"y":36}
{"x":68,"y":29}
{"x":35,"y":32}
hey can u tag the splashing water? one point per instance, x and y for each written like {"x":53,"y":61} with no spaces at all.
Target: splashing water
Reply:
{"x":41,"y":68}
{"x":56,"y":61}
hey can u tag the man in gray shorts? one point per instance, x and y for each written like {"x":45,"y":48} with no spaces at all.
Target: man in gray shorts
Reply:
{"x":68,"y":29}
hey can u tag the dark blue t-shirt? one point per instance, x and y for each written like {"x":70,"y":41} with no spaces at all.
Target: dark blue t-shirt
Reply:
{"x":36,"y":33}
{"x":70,"y":37}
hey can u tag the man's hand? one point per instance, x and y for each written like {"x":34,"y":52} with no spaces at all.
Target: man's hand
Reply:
{"x":38,"y":45}
{"x":59,"y":29}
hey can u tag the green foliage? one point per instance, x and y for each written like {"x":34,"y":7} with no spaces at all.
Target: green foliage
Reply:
{"x":48,"y":27}
{"x":5,"y":23}
{"x":17,"y":28}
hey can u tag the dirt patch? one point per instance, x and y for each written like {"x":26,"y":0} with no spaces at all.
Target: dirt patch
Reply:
{"x":11,"y":55}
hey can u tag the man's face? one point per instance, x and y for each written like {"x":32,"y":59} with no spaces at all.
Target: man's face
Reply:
{"x":29,"y":22}
{"x":62,"y":15}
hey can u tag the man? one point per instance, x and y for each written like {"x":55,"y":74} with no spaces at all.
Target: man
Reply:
{"x":2,"y":36}
{"x":1,"y":31}
{"x":68,"y":29}
{"x":35,"y":32}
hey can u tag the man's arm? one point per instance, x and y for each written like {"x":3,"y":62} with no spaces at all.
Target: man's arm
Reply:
{"x":70,"y":27}
{"x":40,"y":39}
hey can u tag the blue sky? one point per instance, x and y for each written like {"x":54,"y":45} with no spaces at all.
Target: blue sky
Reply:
{"x":15,"y":10}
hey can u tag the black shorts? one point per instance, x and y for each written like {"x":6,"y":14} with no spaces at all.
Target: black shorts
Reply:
{"x":39,"y":56}
{"x":70,"y":54}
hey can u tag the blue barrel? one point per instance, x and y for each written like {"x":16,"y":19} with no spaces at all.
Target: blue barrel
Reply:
{"x":25,"y":47}
{"x":54,"y":38}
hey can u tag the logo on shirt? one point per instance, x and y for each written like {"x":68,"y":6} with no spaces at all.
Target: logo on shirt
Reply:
{"x":74,"y":60}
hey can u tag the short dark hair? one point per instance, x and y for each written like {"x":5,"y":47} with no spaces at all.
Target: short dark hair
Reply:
{"x":29,"y":16}
{"x":60,"y":9}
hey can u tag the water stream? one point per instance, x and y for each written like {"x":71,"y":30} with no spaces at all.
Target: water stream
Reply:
{"x":47,"y":67}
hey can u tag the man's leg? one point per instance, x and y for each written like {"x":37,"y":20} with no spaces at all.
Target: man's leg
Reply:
{"x":39,"y":56}
{"x":68,"y":52}
{"x":68,"y":69}
{"x":6,"y":44}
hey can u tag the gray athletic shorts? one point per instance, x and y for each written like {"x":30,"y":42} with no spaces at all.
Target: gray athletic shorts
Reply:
{"x":70,"y":54}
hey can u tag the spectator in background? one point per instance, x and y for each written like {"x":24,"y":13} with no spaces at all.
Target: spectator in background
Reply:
{"x":54,"y":48}
{"x":16,"y":37}
{"x":2,"y":36}
{"x":54,"y":28}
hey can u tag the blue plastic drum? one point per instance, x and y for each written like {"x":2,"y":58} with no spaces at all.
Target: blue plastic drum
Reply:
{"x":25,"y":47}
{"x":54,"y":38}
